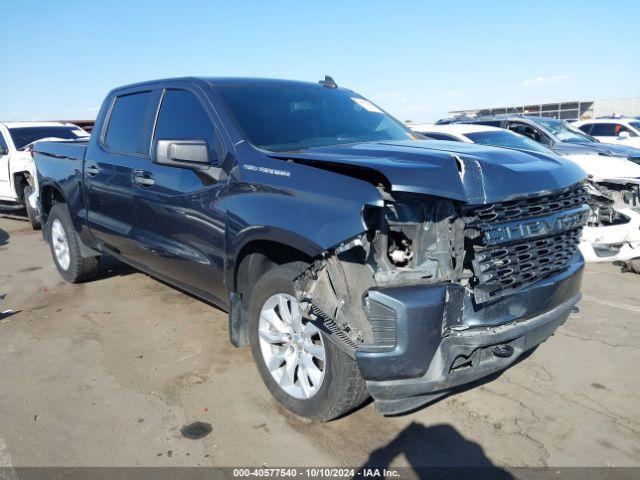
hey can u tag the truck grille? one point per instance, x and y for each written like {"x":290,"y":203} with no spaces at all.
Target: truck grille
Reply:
{"x":502,"y":268}
{"x":528,"y":207}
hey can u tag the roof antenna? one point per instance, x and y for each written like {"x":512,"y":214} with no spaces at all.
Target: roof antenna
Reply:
{"x":328,"y":82}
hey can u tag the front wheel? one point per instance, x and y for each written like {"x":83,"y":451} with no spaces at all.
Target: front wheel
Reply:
{"x":65,"y":247}
{"x":300,"y":366}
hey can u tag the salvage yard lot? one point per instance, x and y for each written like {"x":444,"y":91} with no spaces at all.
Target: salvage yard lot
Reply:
{"x":109,"y":372}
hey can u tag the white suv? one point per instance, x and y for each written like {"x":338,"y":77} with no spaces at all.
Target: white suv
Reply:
{"x":613,"y":130}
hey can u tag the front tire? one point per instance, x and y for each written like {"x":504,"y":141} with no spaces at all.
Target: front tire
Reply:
{"x":65,"y":247}
{"x":31,"y":213}
{"x":304,"y":370}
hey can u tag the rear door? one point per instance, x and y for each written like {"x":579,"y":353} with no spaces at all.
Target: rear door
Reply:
{"x":180,"y":208}
{"x":110,"y":163}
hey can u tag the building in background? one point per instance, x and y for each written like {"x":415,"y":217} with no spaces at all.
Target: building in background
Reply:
{"x":576,"y":110}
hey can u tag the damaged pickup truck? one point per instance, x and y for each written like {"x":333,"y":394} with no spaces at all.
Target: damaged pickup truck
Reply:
{"x":353,"y":258}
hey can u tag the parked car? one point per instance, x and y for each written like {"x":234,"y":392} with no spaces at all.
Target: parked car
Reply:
{"x":353,"y":258}
{"x":17,"y":170}
{"x":561,"y":137}
{"x":613,"y":230}
{"x":481,"y":134}
{"x":613,"y":130}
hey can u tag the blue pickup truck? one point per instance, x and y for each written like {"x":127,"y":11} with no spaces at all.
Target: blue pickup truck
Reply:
{"x":353,"y":257}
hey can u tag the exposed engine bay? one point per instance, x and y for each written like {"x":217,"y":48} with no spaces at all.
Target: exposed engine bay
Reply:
{"x":489,"y":251}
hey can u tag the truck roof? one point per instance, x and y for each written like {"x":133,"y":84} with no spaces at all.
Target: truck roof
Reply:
{"x":256,"y":82}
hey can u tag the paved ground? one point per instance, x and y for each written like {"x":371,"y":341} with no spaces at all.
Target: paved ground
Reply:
{"x":108,"y":372}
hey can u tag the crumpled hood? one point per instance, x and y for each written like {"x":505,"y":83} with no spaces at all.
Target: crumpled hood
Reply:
{"x":470,"y":173}
{"x":596,"y":148}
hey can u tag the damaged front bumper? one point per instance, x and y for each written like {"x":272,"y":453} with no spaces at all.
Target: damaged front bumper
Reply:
{"x":611,"y":243}
{"x":442,"y":340}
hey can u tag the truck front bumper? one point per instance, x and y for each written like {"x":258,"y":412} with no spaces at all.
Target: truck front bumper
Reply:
{"x":443,"y":340}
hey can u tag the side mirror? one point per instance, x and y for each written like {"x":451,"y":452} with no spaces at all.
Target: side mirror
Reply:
{"x":623,"y":135}
{"x":3,"y":150}
{"x":183,"y":153}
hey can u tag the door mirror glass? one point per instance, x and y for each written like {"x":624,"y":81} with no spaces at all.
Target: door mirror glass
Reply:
{"x":3,"y":150}
{"x":183,"y":153}
{"x":623,"y":135}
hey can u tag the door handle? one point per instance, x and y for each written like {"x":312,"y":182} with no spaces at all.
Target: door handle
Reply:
{"x":92,"y":170}
{"x":144,"y":179}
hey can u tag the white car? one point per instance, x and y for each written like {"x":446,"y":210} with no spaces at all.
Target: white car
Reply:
{"x":613,"y":130}
{"x":613,"y":231}
{"x":17,"y":170}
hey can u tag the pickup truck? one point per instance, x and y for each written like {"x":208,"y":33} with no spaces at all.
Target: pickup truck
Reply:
{"x":17,"y":170}
{"x":354,"y":258}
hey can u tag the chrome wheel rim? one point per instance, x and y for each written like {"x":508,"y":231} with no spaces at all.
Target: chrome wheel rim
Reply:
{"x":60,"y":244}
{"x":292,"y":347}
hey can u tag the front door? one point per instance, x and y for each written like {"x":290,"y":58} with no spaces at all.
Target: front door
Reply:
{"x":181,"y":210}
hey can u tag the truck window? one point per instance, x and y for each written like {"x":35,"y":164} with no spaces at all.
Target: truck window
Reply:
{"x":182,"y":117}
{"x":3,"y":144}
{"x":603,"y":130}
{"x":127,"y":122}
{"x":439,"y":136}
{"x":23,"y":136}
{"x":586,"y":128}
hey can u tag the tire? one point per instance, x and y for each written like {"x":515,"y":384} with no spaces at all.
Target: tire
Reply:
{"x":31,"y":213}
{"x":65,"y":247}
{"x":339,"y":390}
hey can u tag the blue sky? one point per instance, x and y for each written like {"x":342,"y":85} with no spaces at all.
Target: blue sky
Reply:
{"x":417,"y":59}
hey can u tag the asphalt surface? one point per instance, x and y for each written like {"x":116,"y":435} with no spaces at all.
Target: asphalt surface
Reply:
{"x":108,"y":373}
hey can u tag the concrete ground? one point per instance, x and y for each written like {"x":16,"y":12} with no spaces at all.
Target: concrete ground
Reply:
{"x":109,"y":372}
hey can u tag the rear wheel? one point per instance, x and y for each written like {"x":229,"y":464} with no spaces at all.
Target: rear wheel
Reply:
{"x":31,"y":213}
{"x":65,"y":247}
{"x":300,"y":366}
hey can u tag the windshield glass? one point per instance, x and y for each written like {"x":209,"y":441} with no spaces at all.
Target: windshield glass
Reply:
{"x":635,"y":125}
{"x":303,"y":116}
{"x":23,"y":136}
{"x":564,"y":131}
{"x":505,"y":138}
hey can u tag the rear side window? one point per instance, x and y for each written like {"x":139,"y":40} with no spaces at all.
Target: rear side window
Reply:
{"x":586,"y":128}
{"x":126,"y":131}
{"x":603,"y":130}
{"x":182,"y":117}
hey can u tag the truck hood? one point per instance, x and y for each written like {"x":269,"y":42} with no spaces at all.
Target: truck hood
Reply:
{"x":471,"y":173}
{"x":595,"y":148}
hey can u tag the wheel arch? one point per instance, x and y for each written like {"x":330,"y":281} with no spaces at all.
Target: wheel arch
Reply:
{"x":253,"y":260}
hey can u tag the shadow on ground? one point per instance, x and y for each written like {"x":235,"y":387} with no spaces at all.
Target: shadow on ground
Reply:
{"x":435,"y":452}
{"x":4,"y":237}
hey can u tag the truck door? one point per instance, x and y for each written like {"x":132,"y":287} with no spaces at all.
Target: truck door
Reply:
{"x":110,"y":162}
{"x":181,"y":205}
{"x":5,"y":183}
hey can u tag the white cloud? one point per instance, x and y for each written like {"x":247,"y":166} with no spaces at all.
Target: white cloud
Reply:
{"x":453,"y":93}
{"x":540,"y":80}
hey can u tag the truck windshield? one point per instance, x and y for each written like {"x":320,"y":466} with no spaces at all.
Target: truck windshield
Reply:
{"x":505,"y":138}
{"x":564,"y":131}
{"x":23,"y":136}
{"x":304,"y":116}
